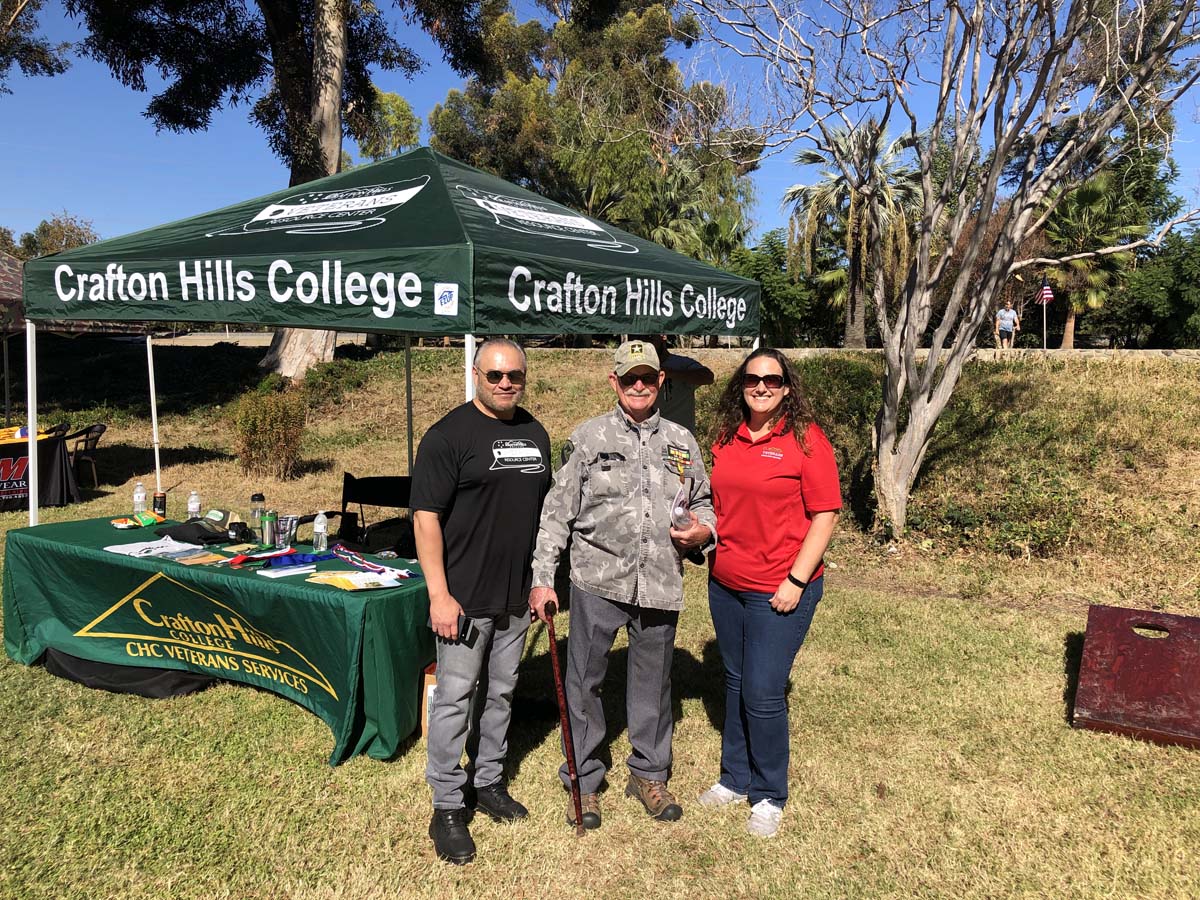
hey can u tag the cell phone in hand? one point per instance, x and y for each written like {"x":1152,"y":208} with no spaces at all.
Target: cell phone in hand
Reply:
{"x":466,"y":628}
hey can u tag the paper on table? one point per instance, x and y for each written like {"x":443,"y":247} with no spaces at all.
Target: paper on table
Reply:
{"x":287,"y":570}
{"x":355,"y":581}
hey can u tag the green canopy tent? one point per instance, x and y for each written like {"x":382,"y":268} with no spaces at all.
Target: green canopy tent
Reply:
{"x":417,"y":243}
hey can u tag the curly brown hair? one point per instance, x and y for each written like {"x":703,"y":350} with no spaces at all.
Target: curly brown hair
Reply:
{"x":732,"y":410}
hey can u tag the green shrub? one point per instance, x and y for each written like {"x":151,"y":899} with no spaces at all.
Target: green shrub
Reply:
{"x":268,"y":429}
{"x":325,"y":384}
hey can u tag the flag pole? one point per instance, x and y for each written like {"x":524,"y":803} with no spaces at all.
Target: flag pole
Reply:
{"x":1044,"y":305}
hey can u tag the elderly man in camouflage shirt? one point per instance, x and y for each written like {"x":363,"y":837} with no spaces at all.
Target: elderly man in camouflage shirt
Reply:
{"x":612,"y":500}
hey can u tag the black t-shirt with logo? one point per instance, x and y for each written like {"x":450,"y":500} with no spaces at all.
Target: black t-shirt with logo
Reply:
{"x":486,"y":478}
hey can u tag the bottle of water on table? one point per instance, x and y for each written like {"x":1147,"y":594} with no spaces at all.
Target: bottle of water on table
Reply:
{"x":139,"y":498}
{"x":320,"y":533}
{"x":194,"y":505}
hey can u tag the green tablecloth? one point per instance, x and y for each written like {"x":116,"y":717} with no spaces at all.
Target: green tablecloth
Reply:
{"x":352,"y":658}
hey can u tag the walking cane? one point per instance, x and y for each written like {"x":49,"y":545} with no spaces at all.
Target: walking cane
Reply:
{"x":551,"y":609}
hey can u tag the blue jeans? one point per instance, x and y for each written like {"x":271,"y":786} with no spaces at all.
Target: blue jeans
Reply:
{"x":758,"y":646}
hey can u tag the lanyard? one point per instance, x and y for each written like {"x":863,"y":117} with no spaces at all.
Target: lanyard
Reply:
{"x":356,"y":559}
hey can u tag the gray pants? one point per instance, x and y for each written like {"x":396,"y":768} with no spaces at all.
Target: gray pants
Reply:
{"x":594,"y":625}
{"x":474,"y":694}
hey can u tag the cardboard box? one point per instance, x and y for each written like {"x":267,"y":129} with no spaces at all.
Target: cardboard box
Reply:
{"x":428,"y":683}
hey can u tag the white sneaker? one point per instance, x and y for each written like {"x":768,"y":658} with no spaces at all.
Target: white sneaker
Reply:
{"x":765,"y":817}
{"x":719,"y":795}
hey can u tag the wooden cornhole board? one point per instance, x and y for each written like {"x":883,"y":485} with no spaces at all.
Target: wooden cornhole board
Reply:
{"x":1140,"y":675}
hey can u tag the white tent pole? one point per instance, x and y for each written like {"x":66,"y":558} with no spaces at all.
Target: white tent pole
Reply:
{"x":754,"y":346}
{"x":153,"y":411}
{"x":31,"y":472}
{"x":468,"y":361}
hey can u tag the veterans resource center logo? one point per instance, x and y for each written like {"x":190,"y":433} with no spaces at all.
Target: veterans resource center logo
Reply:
{"x":207,"y":635}
{"x":544,"y":220}
{"x":330,"y":212}
{"x":517,"y":453}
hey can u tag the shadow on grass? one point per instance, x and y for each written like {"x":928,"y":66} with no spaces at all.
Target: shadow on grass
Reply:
{"x":1072,"y":660}
{"x":988,"y":401}
{"x":535,"y":706}
{"x":83,"y":373}
{"x":117,"y":463}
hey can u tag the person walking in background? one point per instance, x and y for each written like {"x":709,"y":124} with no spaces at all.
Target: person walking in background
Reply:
{"x":677,"y":397}
{"x":478,"y":484}
{"x":777,"y":497}
{"x":612,"y":500}
{"x":1008,"y":323}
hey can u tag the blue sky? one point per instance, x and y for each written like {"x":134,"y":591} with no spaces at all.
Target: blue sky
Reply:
{"x":78,"y":142}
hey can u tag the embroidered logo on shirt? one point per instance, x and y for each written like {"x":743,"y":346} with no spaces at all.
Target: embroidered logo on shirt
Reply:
{"x":772,"y":453}
{"x":517,"y":454}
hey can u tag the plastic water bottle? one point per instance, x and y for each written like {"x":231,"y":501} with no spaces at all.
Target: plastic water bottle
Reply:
{"x":320,"y":533}
{"x":139,"y":498}
{"x":680,"y":519}
{"x":194,"y":505}
{"x":258,"y":506}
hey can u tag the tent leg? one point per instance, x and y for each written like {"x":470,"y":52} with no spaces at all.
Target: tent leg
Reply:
{"x":7,"y":397}
{"x":408,"y":395}
{"x":468,"y":362}
{"x":756,"y":343}
{"x":153,"y":411}
{"x":31,"y":473}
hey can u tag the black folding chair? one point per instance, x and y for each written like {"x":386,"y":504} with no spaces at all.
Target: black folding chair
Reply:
{"x":393,"y":533}
{"x":84,"y":451}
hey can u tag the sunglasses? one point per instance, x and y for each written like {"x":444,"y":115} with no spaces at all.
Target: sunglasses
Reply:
{"x":774,"y":382}
{"x":648,"y":379}
{"x":515,"y":377}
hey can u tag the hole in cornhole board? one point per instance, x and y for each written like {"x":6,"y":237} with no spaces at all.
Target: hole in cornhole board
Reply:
{"x":1150,"y":631}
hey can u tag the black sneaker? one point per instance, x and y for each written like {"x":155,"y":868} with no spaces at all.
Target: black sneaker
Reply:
{"x":497,"y":803}
{"x":451,"y":838}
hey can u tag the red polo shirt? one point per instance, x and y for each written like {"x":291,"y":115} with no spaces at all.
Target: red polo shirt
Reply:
{"x":765,"y":493}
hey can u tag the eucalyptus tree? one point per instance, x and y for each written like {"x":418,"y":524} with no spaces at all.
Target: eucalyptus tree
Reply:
{"x":23,"y":47}
{"x":866,"y":193}
{"x":1056,"y":90}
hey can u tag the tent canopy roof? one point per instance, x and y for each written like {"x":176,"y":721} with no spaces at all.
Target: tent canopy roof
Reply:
{"x":419,"y":242}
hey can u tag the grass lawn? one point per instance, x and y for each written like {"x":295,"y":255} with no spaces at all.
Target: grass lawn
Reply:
{"x":931,"y":754}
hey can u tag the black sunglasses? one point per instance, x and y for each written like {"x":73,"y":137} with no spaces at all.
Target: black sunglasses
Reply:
{"x":774,"y":382}
{"x":629,"y":379}
{"x":495,"y":376}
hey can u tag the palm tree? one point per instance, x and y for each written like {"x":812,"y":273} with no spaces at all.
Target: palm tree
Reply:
{"x":1096,"y":214}
{"x":865,"y":194}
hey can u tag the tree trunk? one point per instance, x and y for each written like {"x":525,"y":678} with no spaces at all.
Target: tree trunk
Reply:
{"x":855,"y":336}
{"x":329,"y":67}
{"x":1068,"y":341}
{"x":294,"y":351}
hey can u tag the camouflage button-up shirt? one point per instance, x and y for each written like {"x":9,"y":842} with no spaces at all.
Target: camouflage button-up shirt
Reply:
{"x":612,"y":500}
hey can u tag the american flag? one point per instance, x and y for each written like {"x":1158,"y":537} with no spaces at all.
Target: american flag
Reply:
{"x":1045,"y":295}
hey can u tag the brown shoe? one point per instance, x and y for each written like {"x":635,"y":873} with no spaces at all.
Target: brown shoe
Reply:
{"x":659,"y":801}
{"x":590,"y":803}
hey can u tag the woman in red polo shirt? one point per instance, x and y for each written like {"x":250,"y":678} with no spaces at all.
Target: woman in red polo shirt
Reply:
{"x":776,"y":494}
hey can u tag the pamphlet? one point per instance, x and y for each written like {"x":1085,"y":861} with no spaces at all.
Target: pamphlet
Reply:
{"x":355,"y":581}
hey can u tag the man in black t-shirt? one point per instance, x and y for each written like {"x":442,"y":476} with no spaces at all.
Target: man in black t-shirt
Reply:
{"x":478,"y":484}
